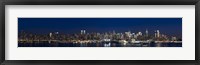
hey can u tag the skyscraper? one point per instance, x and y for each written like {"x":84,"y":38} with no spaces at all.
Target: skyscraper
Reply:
{"x":128,"y":34}
{"x":147,"y":33}
{"x":158,"y":33}
{"x":50,"y":35}
{"x":140,"y":33}
{"x":83,"y":31}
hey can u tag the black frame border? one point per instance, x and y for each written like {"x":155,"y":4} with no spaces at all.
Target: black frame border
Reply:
{"x":99,"y":2}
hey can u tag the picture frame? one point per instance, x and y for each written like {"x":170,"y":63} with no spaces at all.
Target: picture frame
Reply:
{"x":99,"y":2}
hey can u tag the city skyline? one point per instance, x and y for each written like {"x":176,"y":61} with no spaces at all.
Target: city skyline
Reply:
{"x":100,"y":32}
{"x":169,"y":26}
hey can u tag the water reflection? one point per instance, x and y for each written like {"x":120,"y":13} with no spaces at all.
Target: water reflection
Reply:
{"x":102,"y":44}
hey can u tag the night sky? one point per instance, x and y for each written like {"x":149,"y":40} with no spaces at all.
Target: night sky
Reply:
{"x":168,"y":26}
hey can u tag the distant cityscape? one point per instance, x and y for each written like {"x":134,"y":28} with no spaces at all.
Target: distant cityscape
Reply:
{"x":99,"y":32}
{"x":86,"y":38}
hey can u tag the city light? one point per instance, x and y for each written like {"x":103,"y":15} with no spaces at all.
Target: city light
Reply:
{"x":99,"y":32}
{"x":98,"y":38}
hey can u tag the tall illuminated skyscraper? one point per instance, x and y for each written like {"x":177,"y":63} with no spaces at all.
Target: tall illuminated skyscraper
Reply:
{"x":140,"y":33}
{"x":158,"y":33}
{"x":83,"y":31}
{"x":146,"y":32}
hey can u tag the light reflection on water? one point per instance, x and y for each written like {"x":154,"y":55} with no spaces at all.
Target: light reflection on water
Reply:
{"x":105,"y":44}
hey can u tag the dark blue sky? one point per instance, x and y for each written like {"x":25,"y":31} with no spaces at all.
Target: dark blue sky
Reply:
{"x":169,"y":26}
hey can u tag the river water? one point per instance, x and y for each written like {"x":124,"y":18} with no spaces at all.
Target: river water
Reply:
{"x":103,"y":44}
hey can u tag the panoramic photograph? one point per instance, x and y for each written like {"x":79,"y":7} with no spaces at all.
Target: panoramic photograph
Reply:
{"x":99,"y":32}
